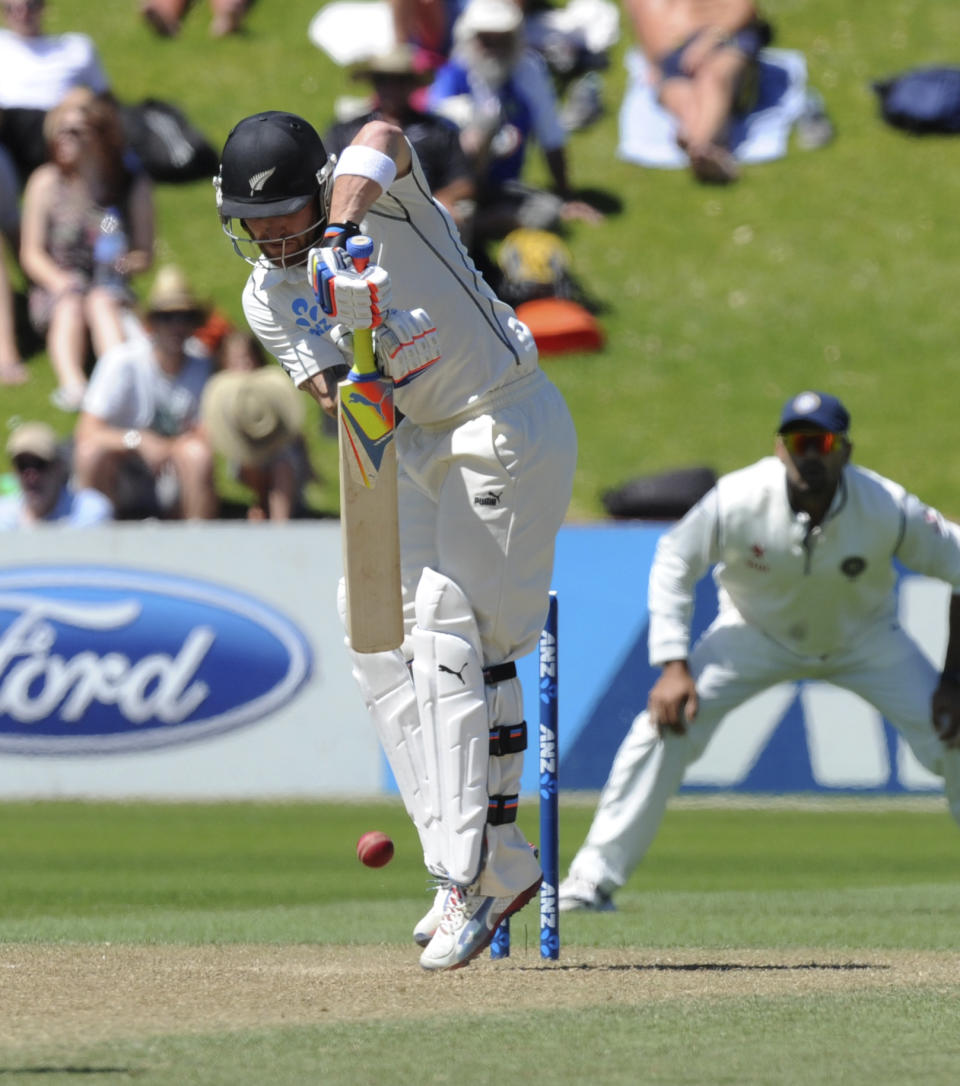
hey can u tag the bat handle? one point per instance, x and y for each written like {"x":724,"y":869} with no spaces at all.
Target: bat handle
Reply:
{"x":360,"y":249}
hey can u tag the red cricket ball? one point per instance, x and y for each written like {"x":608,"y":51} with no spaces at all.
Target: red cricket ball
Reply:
{"x":374,"y":849}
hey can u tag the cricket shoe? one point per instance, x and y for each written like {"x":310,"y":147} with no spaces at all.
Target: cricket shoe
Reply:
{"x":576,"y":893}
{"x":426,"y":926}
{"x":468,"y":923}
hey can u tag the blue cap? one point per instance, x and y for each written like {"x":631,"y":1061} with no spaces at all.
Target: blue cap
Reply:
{"x":818,"y":409}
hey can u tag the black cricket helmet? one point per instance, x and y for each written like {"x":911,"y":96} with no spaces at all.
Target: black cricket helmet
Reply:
{"x":273,"y":164}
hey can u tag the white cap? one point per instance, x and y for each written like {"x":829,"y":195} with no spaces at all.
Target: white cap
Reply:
{"x":488,"y":17}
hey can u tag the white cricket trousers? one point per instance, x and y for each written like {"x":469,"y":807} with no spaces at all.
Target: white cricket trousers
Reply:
{"x":731,"y":663}
{"x":481,"y":499}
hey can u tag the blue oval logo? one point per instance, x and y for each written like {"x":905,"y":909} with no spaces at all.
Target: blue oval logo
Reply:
{"x":96,"y":661}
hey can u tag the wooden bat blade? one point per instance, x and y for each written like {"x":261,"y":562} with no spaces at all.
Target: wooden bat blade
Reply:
{"x":366,"y":414}
{"x":371,"y":548}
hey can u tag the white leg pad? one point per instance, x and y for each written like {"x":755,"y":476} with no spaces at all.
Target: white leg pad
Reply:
{"x":448,"y":678}
{"x":387,"y":690}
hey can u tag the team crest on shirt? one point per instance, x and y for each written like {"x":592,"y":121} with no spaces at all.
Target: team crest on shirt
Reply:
{"x":853,"y":566}
{"x":308,"y":316}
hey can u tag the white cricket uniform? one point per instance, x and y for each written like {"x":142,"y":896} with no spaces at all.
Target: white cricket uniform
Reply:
{"x":795,"y":602}
{"x":486,"y":453}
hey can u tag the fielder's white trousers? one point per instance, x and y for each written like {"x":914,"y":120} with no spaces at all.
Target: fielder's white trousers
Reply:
{"x":731,"y":663}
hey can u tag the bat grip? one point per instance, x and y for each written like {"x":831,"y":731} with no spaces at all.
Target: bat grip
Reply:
{"x":364,"y":361}
{"x":360,"y":249}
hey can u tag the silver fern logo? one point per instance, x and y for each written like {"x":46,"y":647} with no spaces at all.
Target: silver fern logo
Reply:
{"x":260,"y":179}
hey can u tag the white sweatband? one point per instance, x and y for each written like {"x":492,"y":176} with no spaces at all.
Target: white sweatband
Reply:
{"x":361,"y":161}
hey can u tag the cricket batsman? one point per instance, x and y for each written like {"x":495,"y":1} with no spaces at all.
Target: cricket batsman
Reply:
{"x":803,"y":545}
{"x":486,"y":452}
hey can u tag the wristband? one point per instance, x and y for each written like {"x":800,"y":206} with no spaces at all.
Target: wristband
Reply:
{"x":362,"y":161}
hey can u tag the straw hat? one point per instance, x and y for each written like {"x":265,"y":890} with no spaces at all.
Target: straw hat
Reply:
{"x":251,"y":416}
{"x":397,"y":61}
{"x":171,"y":293}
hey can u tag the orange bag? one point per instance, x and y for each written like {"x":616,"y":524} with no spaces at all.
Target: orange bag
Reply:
{"x":560,"y":325}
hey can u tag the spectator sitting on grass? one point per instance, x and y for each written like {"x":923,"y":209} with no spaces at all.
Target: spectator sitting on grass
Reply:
{"x":87,"y":184}
{"x":42,"y":470}
{"x":36,"y":71}
{"x":703,"y":54}
{"x":254,"y":418}
{"x":141,"y":413}
{"x":436,"y":140}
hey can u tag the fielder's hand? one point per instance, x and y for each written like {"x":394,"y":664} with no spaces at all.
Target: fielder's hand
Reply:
{"x":406,"y":343}
{"x":946,"y":712}
{"x":356,"y":299}
{"x":673,"y":700}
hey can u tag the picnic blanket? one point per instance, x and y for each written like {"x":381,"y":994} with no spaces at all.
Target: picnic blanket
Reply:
{"x":648,"y":132}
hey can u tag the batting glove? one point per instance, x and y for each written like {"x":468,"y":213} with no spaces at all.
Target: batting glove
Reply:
{"x":356,"y":299}
{"x":406,"y":343}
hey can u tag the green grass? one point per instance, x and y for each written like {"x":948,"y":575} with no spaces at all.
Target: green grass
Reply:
{"x":832,"y":268}
{"x":878,"y":879}
{"x":281,"y":873}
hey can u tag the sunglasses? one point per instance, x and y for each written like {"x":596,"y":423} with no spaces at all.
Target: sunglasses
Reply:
{"x":799,"y":444}
{"x":26,"y":461}
{"x":177,"y":316}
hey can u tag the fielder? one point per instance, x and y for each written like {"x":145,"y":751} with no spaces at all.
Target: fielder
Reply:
{"x":803,"y":545}
{"x":486,"y":453}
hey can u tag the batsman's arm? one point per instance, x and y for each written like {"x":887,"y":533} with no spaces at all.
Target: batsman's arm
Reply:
{"x":354,"y":193}
{"x":323,"y":388}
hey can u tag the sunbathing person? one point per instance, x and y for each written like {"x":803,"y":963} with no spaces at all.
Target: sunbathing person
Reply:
{"x":703,"y":53}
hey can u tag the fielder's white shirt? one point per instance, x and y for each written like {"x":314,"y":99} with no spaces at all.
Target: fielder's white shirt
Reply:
{"x":483,"y":344}
{"x":812,"y":590}
{"x":35,"y":73}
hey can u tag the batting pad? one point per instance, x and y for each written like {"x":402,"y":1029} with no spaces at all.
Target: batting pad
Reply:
{"x":448,"y":678}
{"x":387,"y":690}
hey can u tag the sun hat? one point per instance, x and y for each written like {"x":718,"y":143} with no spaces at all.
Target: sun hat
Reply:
{"x":34,"y":439}
{"x":251,"y":416}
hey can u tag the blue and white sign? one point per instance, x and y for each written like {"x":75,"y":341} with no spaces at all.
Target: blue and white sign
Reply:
{"x":100,"y":660}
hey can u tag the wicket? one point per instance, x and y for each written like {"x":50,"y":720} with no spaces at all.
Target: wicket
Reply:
{"x":549,"y":672}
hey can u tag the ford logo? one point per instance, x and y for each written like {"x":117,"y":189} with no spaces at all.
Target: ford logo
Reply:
{"x":96,"y":661}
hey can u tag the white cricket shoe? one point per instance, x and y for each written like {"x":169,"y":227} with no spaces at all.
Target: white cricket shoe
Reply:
{"x":576,"y":893}
{"x":426,"y":926}
{"x":467,"y":925}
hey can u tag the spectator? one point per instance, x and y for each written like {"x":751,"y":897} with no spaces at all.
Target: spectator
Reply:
{"x":703,"y":54}
{"x":143,"y":409}
{"x":166,"y":16}
{"x":41,"y":465}
{"x":254,"y":418}
{"x":395,"y":77}
{"x":77,"y":293}
{"x":500,"y":95}
{"x":12,"y":370}
{"x":427,"y":25}
{"x":36,"y":71}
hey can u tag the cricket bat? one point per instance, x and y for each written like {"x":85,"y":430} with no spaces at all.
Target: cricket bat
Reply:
{"x":368,"y":493}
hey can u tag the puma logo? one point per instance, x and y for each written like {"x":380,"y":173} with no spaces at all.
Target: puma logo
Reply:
{"x":451,"y":671}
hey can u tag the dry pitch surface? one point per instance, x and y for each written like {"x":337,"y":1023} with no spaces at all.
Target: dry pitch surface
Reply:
{"x":89,"y":994}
